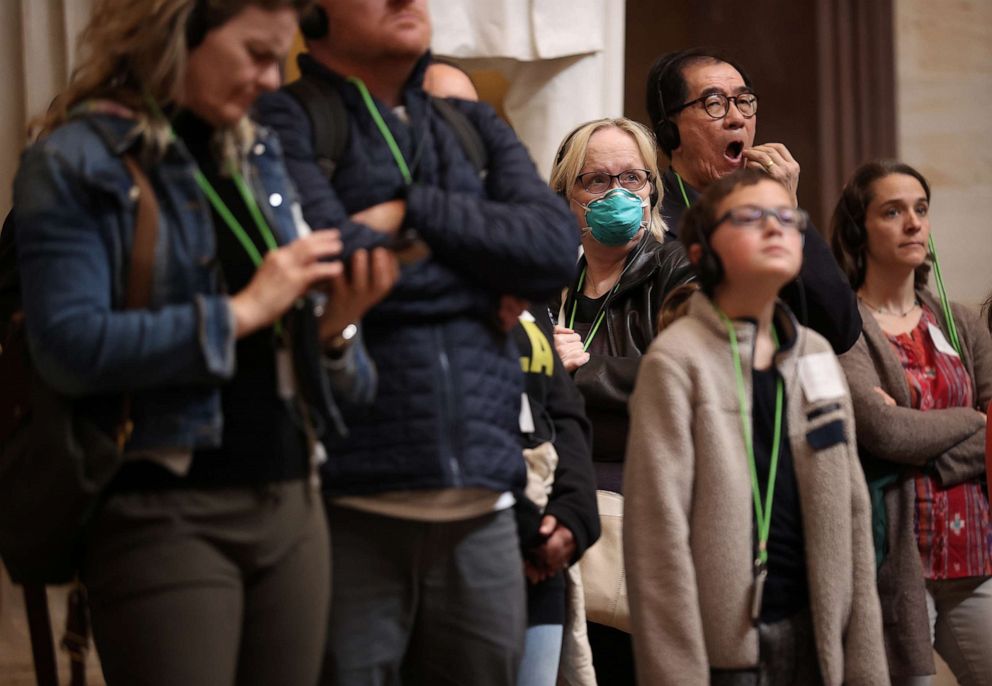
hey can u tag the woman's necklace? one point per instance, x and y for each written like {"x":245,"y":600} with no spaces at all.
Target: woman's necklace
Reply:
{"x":891,"y":313}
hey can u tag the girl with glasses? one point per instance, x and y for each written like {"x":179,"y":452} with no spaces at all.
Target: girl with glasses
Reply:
{"x":747,"y":534}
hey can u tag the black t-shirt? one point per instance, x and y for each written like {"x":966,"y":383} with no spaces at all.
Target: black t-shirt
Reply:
{"x":786,"y":589}
{"x":262,"y":438}
{"x":587,"y":310}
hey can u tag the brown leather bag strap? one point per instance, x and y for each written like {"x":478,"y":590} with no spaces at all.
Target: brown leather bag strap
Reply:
{"x":139,"y":279}
{"x":40,"y":627}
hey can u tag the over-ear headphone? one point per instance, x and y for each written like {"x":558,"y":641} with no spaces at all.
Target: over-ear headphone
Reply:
{"x":314,"y":23}
{"x":709,"y":268}
{"x":196,"y":24}
{"x":665,"y":130}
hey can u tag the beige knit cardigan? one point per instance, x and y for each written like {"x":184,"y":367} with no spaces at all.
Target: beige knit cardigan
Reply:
{"x":689,"y":513}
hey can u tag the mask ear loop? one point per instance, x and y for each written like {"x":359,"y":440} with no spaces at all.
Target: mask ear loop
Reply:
{"x":945,"y":304}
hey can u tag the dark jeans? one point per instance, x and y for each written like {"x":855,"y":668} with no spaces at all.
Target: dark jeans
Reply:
{"x":210,"y":587}
{"x":612,"y":655}
{"x":787,"y":653}
{"x":439,"y":603}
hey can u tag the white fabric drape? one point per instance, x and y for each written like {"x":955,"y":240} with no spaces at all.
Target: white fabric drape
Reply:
{"x":39,"y":39}
{"x":564,"y":60}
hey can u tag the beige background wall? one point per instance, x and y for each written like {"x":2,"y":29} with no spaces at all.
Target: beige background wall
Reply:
{"x":944,"y":97}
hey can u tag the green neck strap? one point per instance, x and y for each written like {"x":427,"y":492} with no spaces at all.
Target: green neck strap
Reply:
{"x":232,"y":223}
{"x":685,"y":196}
{"x":596,"y":322}
{"x":762,"y":512}
{"x":945,"y":305}
{"x":387,"y":135}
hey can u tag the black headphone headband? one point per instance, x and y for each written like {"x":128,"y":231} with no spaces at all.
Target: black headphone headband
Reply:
{"x":196,"y":24}
{"x":314,"y":23}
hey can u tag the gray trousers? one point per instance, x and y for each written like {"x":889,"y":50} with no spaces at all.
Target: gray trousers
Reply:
{"x":787,"y":652}
{"x":960,"y":613}
{"x":439,"y":603}
{"x":210,"y":587}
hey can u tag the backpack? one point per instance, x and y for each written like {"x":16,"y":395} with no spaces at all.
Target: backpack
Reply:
{"x":329,"y":122}
{"x":54,"y":462}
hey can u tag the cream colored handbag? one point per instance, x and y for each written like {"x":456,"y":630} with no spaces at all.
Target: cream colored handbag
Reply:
{"x":603,"y":576}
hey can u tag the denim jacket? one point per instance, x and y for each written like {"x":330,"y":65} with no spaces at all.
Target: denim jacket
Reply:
{"x":75,"y":215}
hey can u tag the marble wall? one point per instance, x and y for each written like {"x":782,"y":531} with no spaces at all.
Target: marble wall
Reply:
{"x":944,"y":101}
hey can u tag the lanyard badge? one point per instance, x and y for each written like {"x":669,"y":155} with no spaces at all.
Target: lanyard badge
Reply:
{"x":762,"y":511}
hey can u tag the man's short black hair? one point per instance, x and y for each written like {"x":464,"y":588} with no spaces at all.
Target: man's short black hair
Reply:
{"x":667,"y":89}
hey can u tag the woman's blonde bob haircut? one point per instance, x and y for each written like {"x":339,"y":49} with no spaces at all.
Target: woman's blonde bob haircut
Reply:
{"x":134,"y":53}
{"x":571,"y":158}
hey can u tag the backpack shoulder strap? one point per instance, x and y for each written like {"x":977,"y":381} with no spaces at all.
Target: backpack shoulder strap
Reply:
{"x":466,"y":132}
{"x":328,"y":119}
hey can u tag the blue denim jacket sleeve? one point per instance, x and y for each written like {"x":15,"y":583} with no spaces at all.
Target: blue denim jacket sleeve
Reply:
{"x":353,"y":376}
{"x":70,"y":257}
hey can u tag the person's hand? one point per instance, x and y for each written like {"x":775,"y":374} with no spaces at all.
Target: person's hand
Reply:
{"x":888,"y":399}
{"x":510,"y":309}
{"x":386,"y":217}
{"x":569,"y":347}
{"x":775,"y":160}
{"x":351,"y":295}
{"x":552,"y":556}
{"x":285,"y":274}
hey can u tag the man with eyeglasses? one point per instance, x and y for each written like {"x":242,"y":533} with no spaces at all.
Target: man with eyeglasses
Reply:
{"x":703,"y":108}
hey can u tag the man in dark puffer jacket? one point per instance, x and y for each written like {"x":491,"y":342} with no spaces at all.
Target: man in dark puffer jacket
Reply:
{"x":427,"y":580}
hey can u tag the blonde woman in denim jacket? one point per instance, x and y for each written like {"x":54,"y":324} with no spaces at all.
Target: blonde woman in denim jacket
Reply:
{"x":208,"y":562}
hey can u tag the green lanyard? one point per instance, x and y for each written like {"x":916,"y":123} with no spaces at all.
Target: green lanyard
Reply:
{"x":685,"y":197}
{"x":387,"y":135}
{"x":232,"y":222}
{"x":762,"y":513}
{"x":599,"y":319}
{"x":952,"y":328}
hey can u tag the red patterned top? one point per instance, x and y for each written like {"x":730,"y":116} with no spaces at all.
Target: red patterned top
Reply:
{"x":952,"y":524}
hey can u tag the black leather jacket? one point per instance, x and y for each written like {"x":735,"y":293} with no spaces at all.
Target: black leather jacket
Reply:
{"x":606,"y":381}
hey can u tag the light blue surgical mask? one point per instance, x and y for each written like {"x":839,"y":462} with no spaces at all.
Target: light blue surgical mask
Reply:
{"x":615,"y":218}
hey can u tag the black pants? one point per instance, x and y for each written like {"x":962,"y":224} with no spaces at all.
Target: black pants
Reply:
{"x":612,"y":655}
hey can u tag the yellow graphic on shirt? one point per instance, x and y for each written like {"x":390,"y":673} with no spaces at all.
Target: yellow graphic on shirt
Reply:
{"x":541,"y":354}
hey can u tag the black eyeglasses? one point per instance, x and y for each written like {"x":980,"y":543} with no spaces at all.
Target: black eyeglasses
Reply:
{"x":600,"y":182}
{"x":753,"y":217}
{"x":717,"y":105}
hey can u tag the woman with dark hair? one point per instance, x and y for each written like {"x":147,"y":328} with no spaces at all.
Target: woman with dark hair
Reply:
{"x":920,"y":377}
{"x":747,"y":534}
{"x":207,"y":562}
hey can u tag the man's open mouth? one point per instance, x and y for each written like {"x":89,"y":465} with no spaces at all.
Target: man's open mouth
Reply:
{"x":734,"y":151}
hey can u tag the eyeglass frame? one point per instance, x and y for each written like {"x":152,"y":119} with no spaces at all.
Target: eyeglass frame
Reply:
{"x":648,"y":177}
{"x":727,"y":100}
{"x":766,"y":212}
